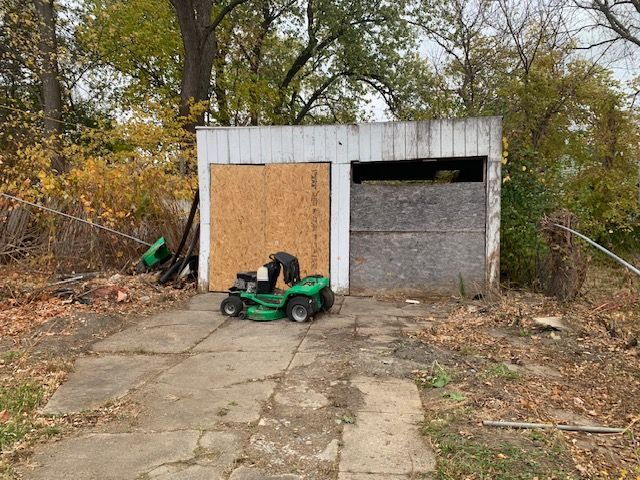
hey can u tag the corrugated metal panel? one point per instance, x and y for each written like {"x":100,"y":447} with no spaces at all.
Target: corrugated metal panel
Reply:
{"x":411,"y":140}
{"x":484,"y":131}
{"x":364,"y":142}
{"x":435,"y":139}
{"x":494,"y":185}
{"x":389,"y":139}
{"x":471,"y":138}
{"x":287,"y":145}
{"x":459,"y":138}
{"x":447,"y":138}
{"x":423,"y":139}
{"x":353,"y":139}
{"x":376,"y":141}
{"x":400,"y":141}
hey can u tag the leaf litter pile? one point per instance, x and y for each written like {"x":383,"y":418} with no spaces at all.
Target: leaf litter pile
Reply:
{"x":45,"y":321}
{"x":503,"y":361}
{"x":30,"y":300}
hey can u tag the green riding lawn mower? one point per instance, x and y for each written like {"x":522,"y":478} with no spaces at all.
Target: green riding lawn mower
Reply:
{"x":254,"y":296}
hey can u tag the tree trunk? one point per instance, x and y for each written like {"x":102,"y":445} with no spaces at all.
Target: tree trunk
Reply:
{"x":49,"y":79}
{"x":194,"y":18}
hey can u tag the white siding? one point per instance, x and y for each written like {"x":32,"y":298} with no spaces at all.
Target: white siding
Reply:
{"x":369,"y":142}
{"x":204,"y":173}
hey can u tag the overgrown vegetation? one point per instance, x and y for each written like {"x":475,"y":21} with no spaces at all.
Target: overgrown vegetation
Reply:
{"x":466,"y":456}
{"x":17,"y":404}
{"x":585,"y":374}
{"x":99,"y":101}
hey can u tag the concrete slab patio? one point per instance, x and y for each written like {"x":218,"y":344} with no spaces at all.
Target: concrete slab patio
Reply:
{"x":222,"y":398}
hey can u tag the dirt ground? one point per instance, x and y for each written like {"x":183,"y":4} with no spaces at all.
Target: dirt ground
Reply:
{"x":473,"y":361}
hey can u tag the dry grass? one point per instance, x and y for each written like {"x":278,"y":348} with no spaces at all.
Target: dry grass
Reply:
{"x":506,"y":368}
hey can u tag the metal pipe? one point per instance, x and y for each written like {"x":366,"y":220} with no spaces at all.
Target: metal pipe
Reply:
{"x":76,"y":219}
{"x":602,"y":249}
{"x":569,"y":428}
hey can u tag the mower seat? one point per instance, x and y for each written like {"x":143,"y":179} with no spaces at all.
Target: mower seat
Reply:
{"x":268,"y":285}
{"x":290,"y":266}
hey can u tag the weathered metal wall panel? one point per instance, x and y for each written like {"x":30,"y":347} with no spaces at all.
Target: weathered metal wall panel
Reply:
{"x":494,"y":184}
{"x":410,"y":239}
{"x":368,"y":142}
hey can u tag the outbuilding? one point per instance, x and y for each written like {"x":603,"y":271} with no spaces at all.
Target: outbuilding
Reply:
{"x":393,"y":208}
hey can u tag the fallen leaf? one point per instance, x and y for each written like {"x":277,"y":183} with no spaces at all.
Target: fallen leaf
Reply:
{"x":4,"y":416}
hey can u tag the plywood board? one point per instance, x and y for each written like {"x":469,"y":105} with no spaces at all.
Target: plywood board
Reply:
{"x":257,"y":210}
{"x":298,"y":214}
{"x":238,"y":209}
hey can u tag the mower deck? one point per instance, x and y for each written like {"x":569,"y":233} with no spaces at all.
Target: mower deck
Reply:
{"x":260,"y":313}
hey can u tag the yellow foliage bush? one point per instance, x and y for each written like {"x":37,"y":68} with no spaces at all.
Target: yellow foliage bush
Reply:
{"x":137,"y":177}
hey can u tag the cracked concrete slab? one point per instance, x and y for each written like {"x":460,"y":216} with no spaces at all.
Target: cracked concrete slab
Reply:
{"x":223,"y":369}
{"x":301,"y":395}
{"x":379,"y":334}
{"x":246,"y":473}
{"x":111,"y":456}
{"x":97,"y":380}
{"x":385,"y":443}
{"x":272,"y":397}
{"x":167,"y":333}
{"x":247,"y":336}
{"x":303,"y":359}
{"x":330,"y":453}
{"x":385,"y":438}
{"x":368,"y":306}
{"x":215,"y":453}
{"x":169,"y":407}
{"x":185,"y":472}
{"x":316,"y":341}
{"x":330,"y":322}
{"x":390,"y":395}
{"x":219,"y":447}
{"x":209,"y":302}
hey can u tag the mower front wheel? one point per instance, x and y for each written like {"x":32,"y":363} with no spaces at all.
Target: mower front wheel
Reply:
{"x":300,"y":309}
{"x":232,"y":306}
{"x":328,"y":298}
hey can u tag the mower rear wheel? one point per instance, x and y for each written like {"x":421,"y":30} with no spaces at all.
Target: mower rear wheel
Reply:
{"x":232,"y":306}
{"x":328,"y":298}
{"x":300,"y":309}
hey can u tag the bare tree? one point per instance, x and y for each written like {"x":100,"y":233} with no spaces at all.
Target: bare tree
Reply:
{"x":621,"y":18}
{"x":534,"y":27}
{"x":474,"y":49}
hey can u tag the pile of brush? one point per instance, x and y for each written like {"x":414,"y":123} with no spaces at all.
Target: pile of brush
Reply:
{"x":566,"y":264}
